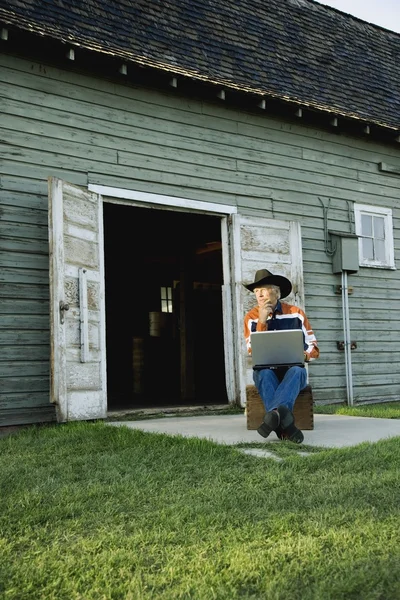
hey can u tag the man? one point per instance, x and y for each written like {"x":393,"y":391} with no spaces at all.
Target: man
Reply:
{"x":278,"y":387}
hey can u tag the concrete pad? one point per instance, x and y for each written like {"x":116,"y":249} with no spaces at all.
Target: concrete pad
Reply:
{"x":260,"y":453}
{"x":330,"y":431}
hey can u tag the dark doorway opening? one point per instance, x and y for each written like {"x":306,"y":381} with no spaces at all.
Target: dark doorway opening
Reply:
{"x":163,"y":286}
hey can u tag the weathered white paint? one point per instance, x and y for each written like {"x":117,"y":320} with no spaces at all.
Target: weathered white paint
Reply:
{"x":296,"y":273}
{"x":210,"y":207}
{"x":83,"y":405}
{"x":262,"y":243}
{"x":58,"y":386}
{"x":78,"y":379}
{"x":83,"y":305}
{"x":228,"y":316}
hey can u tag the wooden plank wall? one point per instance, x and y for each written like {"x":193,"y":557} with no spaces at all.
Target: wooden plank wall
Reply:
{"x":87,"y":130}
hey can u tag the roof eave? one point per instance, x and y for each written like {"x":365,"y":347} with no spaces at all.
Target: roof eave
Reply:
{"x":57,"y":35}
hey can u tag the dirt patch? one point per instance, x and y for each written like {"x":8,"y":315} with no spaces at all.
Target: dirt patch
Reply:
{"x":10,"y":429}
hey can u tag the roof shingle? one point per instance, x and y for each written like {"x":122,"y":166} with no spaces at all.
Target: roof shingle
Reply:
{"x":293,"y":49}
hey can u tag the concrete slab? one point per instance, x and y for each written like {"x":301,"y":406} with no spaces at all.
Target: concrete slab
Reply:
{"x":330,"y":431}
{"x":260,"y":453}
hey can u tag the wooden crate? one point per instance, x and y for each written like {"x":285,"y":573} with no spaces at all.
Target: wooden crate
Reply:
{"x":303,"y":408}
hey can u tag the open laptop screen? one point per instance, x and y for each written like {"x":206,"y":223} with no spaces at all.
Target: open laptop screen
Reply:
{"x":280,"y":348}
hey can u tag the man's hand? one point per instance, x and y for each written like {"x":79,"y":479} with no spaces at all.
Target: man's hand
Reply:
{"x":264,"y":311}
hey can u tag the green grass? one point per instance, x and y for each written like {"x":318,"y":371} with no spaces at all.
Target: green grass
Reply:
{"x":95,"y":512}
{"x":388,"y":410}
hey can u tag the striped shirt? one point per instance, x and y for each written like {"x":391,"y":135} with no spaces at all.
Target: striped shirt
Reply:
{"x":285,"y":316}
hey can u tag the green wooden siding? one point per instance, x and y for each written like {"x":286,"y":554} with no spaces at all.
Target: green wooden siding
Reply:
{"x":85,"y":130}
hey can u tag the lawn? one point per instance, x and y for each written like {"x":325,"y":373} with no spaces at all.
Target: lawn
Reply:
{"x":387,"y":410}
{"x":89,"y":511}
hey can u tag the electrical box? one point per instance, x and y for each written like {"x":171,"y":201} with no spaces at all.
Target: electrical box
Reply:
{"x":345,"y":257}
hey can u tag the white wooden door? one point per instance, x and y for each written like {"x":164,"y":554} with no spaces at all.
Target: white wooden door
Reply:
{"x":77,"y":306}
{"x":260,"y":243}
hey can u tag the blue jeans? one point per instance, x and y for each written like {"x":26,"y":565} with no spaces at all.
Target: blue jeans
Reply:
{"x":273,"y":393}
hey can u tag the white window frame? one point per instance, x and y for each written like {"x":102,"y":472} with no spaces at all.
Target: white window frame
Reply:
{"x":378,"y":211}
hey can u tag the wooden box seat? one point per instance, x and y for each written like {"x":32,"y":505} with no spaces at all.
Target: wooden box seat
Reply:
{"x":303,"y":408}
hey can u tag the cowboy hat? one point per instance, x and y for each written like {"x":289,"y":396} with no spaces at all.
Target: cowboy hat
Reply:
{"x":264,"y":277}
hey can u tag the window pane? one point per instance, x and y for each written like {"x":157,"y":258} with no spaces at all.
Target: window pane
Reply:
{"x":379,"y":228}
{"x":166,"y":299}
{"x":366,"y":225}
{"x":367,"y":248}
{"x":373,"y":225}
{"x":380,"y":250}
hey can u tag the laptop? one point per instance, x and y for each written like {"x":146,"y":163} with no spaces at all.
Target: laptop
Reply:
{"x":273,"y":349}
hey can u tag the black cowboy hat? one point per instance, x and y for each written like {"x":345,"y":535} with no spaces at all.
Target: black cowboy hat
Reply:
{"x":264,"y":277}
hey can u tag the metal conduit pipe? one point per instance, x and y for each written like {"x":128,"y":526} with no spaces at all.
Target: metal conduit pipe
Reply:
{"x":347,"y":340}
{"x":345,"y":261}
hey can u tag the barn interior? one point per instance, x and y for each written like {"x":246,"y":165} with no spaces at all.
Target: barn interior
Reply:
{"x":163,"y":296}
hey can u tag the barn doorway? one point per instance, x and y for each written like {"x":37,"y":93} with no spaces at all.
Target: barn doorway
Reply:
{"x":164,"y":325}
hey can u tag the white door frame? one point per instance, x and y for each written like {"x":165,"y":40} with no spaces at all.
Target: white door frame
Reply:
{"x":143,"y":199}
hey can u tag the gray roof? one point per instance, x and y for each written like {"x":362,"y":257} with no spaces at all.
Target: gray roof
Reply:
{"x":297,"y":50}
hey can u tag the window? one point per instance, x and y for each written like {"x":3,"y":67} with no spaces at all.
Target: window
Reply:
{"x":166,"y":299}
{"x":374,"y":228}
